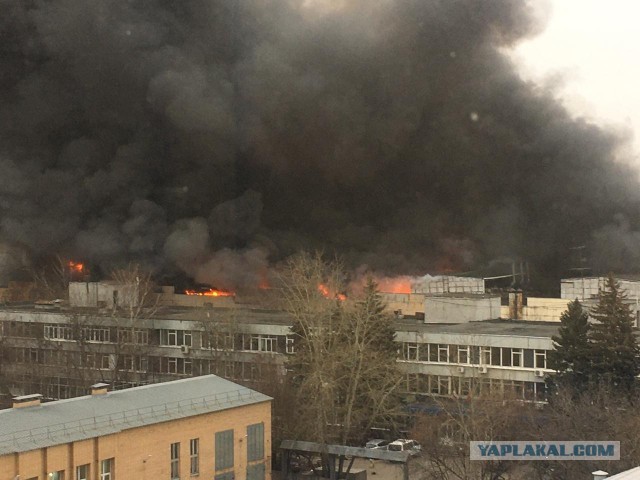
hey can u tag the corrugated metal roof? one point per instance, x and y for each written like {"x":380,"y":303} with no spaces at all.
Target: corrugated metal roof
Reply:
{"x":28,"y":428}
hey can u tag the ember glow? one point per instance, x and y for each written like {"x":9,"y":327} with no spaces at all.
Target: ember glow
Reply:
{"x":76,"y":267}
{"x":324,"y":290}
{"x":212,"y":292}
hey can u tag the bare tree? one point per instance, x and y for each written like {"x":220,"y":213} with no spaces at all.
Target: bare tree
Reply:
{"x":343,"y":381}
{"x":52,"y":279}
{"x":446,"y":436}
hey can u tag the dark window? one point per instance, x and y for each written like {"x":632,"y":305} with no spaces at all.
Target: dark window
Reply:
{"x":224,"y":450}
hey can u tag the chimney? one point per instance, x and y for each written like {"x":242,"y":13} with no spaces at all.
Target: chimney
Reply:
{"x":99,"y":389}
{"x":599,"y":475}
{"x":27,"y":400}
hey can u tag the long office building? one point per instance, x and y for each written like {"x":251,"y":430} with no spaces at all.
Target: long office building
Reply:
{"x":57,"y":350}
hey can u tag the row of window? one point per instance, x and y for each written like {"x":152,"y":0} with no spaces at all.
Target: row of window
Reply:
{"x":444,"y":385}
{"x":32,"y":355}
{"x":172,"y":338}
{"x":236,"y":370}
{"x":96,"y":334}
{"x":224,"y":454}
{"x":106,"y":472}
{"x":474,"y":355}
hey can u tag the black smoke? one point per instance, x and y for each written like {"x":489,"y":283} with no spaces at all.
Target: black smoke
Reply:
{"x":219,"y":136}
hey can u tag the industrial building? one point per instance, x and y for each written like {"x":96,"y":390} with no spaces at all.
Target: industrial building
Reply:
{"x":198,"y":426}
{"x":459,"y":343}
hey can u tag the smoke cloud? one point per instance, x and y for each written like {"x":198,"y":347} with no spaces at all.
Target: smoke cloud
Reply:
{"x":219,"y":136}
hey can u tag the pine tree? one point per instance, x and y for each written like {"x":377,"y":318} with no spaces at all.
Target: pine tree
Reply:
{"x":614,"y":349}
{"x":570,"y":357}
{"x":381,"y":332}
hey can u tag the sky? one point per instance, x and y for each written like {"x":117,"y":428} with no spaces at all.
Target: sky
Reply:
{"x":592,"y":48}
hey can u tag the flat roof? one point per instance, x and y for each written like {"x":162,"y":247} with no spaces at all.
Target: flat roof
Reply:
{"x":520,"y":328}
{"x":240,"y":313}
{"x":81,"y":418}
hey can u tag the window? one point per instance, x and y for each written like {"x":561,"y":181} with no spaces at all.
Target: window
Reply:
{"x":463,"y":354}
{"x":260,"y":343}
{"x":58,"y":332}
{"x":179,"y":366}
{"x":175,"y":461}
{"x":423,"y":352}
{"x":255,"y":471}
{"x":411,"y":351}
{"x":133,"y":336}
{"x":290,"y":345}
{"x":132,"y":363}
{"x":268,"y":344}
{"x":106,"y":469}
{"x":528,"y":358}
{"x":255,"y":442}
{"x":175,"y":338}
{"x":506,"y":357}
{"x":82,"y":472}
{"x":443,"y":353}
{"x":443,"y":385}
{"x":541,"y":358}
{"x":194,"y":452}
{"x":485,"y":355}
{"x":433,"y":352}
{"x":516,"y":357}
{"x":59,"y":475}
{"x":224,"y":450}
{"x":96,"y":335}
{"x":495,"y":356}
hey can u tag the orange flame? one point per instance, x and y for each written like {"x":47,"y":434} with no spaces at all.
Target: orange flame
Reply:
{"x":76,"y":267}
{"x":212,"y":292}
{"x":324,"y":290}
{"x":399,"y":284}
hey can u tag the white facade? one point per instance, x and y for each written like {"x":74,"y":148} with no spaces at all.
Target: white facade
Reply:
{"x":102,"y":294}
{"x":448,"y":284}
{"x":587,"y":288}
{"x":460,"y":309}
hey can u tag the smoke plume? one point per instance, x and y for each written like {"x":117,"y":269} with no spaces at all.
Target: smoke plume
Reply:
{"x":219,"y":136}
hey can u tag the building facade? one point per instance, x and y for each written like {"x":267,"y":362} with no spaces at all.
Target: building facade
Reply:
{"x":204,"y":426}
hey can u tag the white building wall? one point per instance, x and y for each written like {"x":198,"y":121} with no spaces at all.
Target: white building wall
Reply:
{"x":447,"y":309}
{"x":448,"y":284}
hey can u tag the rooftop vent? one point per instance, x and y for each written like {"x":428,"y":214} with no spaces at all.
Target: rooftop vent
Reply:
{"x":27,"y":400}
{"x":599,"y":475}
{"x":99,"y":389}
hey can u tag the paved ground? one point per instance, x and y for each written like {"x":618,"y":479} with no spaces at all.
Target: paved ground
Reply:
{"x":379,"y":469}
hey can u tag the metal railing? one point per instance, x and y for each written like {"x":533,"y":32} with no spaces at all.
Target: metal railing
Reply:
{"x":112,"y":422}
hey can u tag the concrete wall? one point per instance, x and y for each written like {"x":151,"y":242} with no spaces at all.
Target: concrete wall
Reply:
{"x":448,"y":309}
{"x":406,"y":303}
{"x":144,"y":452}
{"x":588,"y":288}
{"x":106,"y":294}
{"x":538,"y":309}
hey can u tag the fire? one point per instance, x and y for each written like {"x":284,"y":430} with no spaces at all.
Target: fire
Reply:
{"x":401,"y":284}
{"x":212,"y":292}
{"x":324,"y":290}
{"x":76,"y":267}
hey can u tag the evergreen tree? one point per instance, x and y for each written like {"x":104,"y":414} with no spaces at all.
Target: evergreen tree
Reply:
{"x":614,"y":349}
{"x":570,"y":357}
{"x":381,"y":331}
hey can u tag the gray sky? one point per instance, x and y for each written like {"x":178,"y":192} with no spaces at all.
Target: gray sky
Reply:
{"x":592,"y":48}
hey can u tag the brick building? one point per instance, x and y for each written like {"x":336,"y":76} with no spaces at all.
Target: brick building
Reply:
{"x":204,"y":426}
